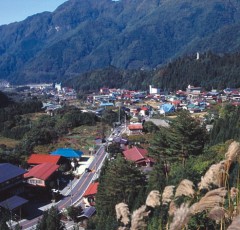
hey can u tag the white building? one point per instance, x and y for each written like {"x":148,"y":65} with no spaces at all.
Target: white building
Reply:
{"x":153,"y":90}
{"x":58,"y":87}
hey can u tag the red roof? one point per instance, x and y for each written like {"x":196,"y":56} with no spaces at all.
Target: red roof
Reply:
{"x":43,"y":158}
{"x":42,"y":171}
{"x":135,"y":127}
{"x":135,"y":154}
{"x":92,"y":189}
{"x":176,"y":102}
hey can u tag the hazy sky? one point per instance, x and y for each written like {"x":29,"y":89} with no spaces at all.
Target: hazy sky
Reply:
{"x":18,"y":10}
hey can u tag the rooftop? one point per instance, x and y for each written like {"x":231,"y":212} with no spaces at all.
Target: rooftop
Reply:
{"x":135,"y":126}
{"x":135,"y":154}
{"x":9,"y":171}
{"x":42,"y":171}
{"x":43,"y":158}
{"x":68,"y":153}
{"x":92,"y":189}
{"x":13,"y":202}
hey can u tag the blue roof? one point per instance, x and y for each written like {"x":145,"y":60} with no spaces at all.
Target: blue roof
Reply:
{"x":9,"y":171}
{"x":68,"y":153}
{"x":106,"y":104}
{"x":167,"y":108}
{"x":13,"y":202}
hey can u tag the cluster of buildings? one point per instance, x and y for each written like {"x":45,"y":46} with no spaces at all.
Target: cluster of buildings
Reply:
{"x":194,"y":99}
{"x":46,"y":174}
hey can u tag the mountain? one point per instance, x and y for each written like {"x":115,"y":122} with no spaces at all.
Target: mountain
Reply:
{"x":209,"y":71}
{"x":84,"y":35}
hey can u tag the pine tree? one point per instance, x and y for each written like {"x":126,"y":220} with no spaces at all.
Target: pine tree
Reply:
{"x":157,"y":178}
{"x":121,"y":182}
{"x":50,"y":220}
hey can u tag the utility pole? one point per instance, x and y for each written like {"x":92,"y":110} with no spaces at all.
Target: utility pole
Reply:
{"x":119,"y":104}
{"x":71,"y":192}
{"x":119,"y":114}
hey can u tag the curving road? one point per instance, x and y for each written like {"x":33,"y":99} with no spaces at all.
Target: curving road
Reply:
{"x":78,"y":188}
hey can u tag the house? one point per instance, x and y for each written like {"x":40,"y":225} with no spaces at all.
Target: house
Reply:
{"x":89,"y":195}
{"x":166,"y":108}
{"x":36,"y":159}
{"x":41,"y":175}
{"x":11,"y":180}
{"x":153,"y":90}
{"x":67,"y":153}
{"x":135,"y":128}
{"x":138,"y":156}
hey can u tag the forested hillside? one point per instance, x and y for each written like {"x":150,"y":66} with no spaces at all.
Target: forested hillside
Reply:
{"x":210,"y":71}
{"x":85,"y":35}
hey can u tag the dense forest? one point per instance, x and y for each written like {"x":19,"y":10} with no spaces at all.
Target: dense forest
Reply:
{"x":85,"y":35}
{"x":210,"y":71}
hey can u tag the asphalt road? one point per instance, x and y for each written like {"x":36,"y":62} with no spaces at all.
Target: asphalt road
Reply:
{"x":77,"y":189}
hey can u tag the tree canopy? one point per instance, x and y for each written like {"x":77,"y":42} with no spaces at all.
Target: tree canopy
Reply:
{"x":121,"y":182}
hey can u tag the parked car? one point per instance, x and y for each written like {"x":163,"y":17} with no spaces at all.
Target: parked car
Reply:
{"x":87,"y":170}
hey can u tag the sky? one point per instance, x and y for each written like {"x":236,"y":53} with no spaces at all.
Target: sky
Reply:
{"x":18,"y":10}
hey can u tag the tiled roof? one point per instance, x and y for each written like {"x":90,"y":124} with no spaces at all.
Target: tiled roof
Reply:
{"x":43,"y":158}
{"x":9,"y":171}
{"x":135,"y":127}
{"x":92,"y":189}
{"x":135,"y":154}
{"x":42,"y":171}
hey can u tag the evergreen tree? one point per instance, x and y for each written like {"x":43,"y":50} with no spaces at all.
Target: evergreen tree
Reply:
{"x":50,"y":220}
{"x":121,"y":182}
{"x":227,"y":126}
{"x":157,"y":177}
{"x":183,"y":138}
{"x":186,"y":137}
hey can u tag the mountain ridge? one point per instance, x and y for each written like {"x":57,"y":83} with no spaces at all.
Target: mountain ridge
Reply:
{"x":84,"y":35}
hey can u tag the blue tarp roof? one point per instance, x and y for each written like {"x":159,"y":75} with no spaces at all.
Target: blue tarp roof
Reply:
{"x":9,"y":171}
{"x":167,"y":107}
{"x":68,"y":153}
{"x":88,"y":212}
{"x":13,"y":202}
